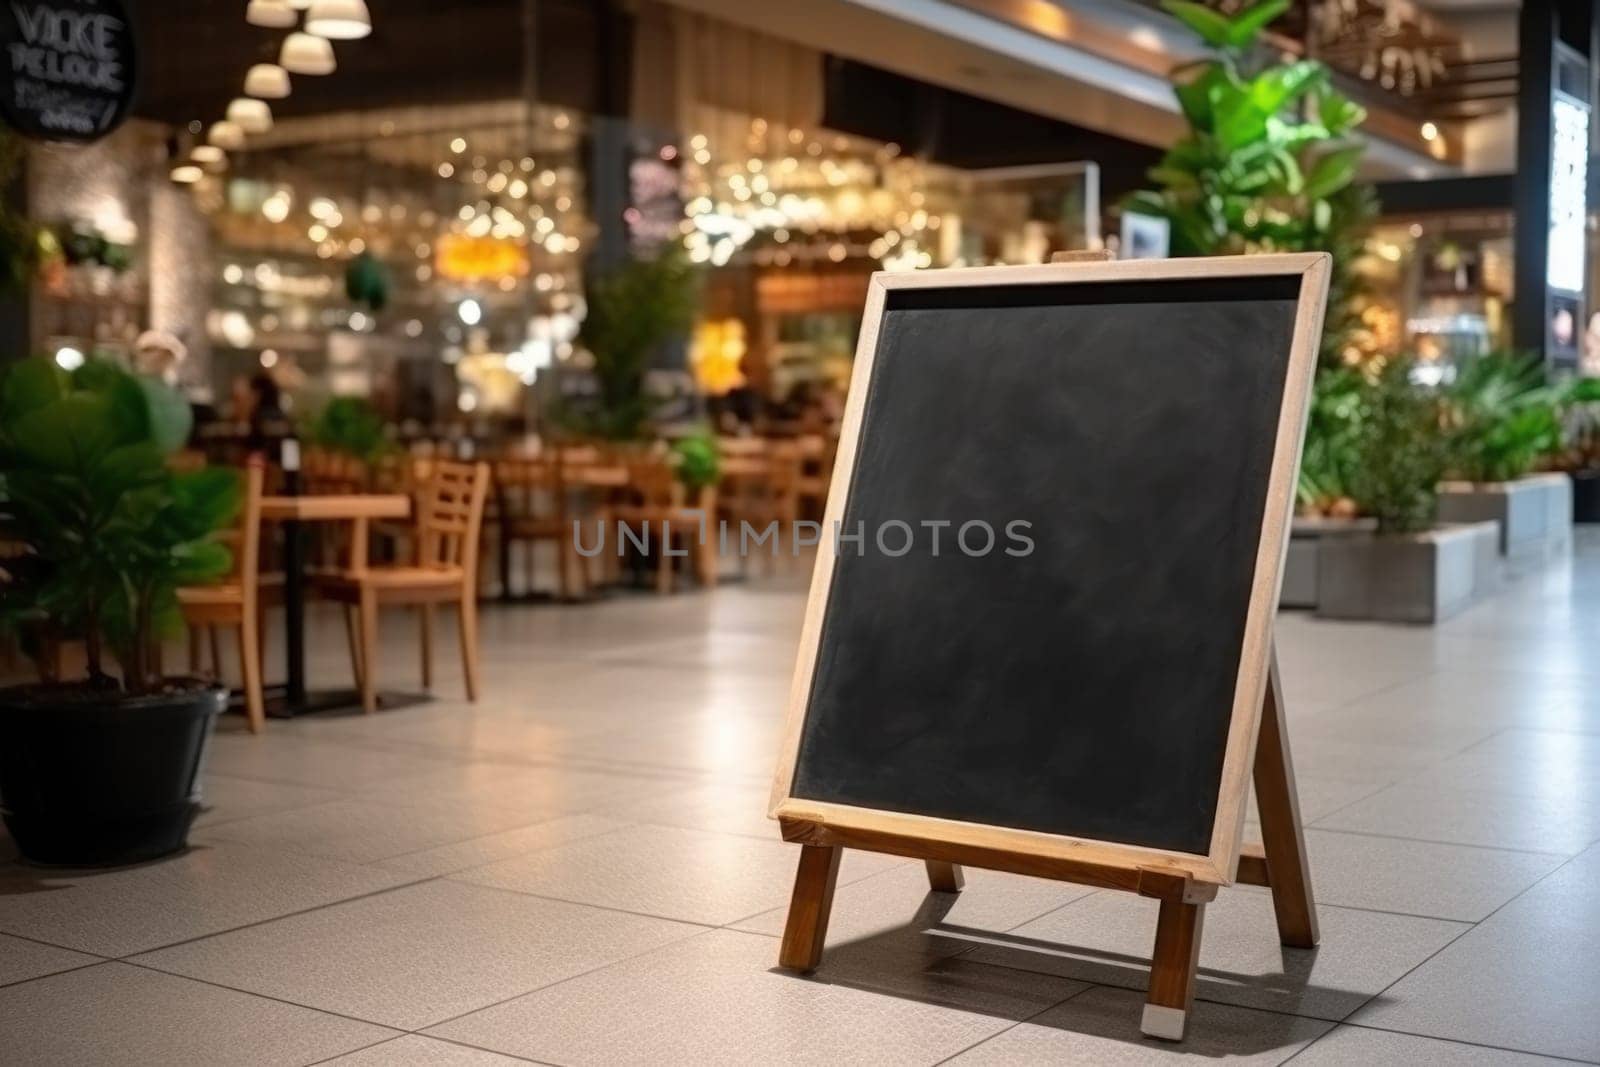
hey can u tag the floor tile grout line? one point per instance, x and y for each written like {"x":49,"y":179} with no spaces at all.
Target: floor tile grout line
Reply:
{"x":127,"y":956}
{"x":1472,"y":927}
{"x":1565,"y":856}
{"x":578,"y":903}
{"x":401,"y":1031}
{"x":423,"y":1031}
{"x":1087,"y":986}
{"x":1449,"y":1041}
{"x":52,"y":944}
{"x":96,"y":962}
{"x":512,"y":830}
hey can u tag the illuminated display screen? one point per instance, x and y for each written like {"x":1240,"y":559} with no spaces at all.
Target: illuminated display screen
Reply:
{"x":1569,"y":178}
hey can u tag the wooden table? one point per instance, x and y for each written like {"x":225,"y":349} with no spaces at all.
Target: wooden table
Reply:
{"x":292,"y":512}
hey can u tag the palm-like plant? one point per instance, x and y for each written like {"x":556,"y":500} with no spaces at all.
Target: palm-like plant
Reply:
{"x":1503,"y":418}
{"x":631,"y":313}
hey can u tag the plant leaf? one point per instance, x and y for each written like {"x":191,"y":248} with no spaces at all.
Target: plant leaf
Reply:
{"x":1333,"y":172}
{"x":1247,"y":24}
{"x":1212,"y":27}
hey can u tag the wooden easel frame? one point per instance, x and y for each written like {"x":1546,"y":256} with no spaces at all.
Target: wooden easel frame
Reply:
{"x":1183,"y":883}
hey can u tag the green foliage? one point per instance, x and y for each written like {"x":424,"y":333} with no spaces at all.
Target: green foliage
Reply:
{"x":632,"y":312}
{"x":1579,"y":408}
{"x":1333,"y":426}
{"x":696,"y":460}
{"x":1400,"y":451}
{"x":1503,"y":418}
{"x":366,"y":281}
{"x":350,"y":425}
{"x":112,"y":530}
{"x":1267,"y":148}
{"x":19,"y":241}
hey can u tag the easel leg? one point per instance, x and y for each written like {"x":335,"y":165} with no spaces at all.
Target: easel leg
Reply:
{"x":1282,"y":837}
{"x":945,"y":877}
{"x":807,"y":927}
{"x":1172,"y":967}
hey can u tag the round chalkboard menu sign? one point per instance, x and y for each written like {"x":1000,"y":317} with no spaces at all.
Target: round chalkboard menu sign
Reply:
{"x":67,"y":66}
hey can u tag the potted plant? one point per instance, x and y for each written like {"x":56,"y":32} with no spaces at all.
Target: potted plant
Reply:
{"x":1324,"y":506}
{"x":352,"y":426}
{"x":1408,"y":568}
{"x":632,"y":313}
{"x":1580,"y":446}
{"x":698,"y":465}
{"x":1504,"y":420}
{"x":103,"y":769}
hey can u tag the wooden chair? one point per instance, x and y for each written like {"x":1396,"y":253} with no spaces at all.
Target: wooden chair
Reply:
{"x":762,"y":489}
{"x":535,"y":503}
{"x":236,"y":601}
{"x":448,"y":521}
{"x":656,"y":504}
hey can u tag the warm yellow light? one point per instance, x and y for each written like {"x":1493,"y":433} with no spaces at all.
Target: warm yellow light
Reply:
{"x":339,"y":20}
{"x":304,"y":54}
{"x":250,"y":115}
{"x":266,"y":81}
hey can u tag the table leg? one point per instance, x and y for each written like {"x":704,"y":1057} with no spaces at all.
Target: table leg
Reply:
{"x":294,"y":617}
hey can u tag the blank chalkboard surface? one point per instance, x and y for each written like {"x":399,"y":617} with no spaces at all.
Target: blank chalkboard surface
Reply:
{"x":1066,"y":492}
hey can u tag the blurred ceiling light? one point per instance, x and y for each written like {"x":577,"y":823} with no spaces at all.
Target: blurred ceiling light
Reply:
{"x":187,"y":173}
{"x":250,"y":115}
{"x":339,"y":20}
{"x":1429,"y":131}
{"x":206,"y":155}
{"x":226,"y":134}
{"x":272,"y":14}
{"x":304,"y":54}
{"x":268,"y":81}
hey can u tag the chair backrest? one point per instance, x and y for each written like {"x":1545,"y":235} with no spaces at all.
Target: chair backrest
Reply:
{"x":325,"y":472}
{"x":450,"y":516}
{"x":247,"y":538}
{"x":530,"y":488}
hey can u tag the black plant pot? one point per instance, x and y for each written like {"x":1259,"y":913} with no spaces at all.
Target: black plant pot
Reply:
{"x":1586,"y":496}
{"x":97,"y":782}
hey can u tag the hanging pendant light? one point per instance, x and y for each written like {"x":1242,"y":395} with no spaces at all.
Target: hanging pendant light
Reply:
{"x":250,"y":115}
{"x":272,"y":14}
{"x":304,"y":54}
{"x":187,"y":173}
{"x":266,"y":81}
{"x":339,"y":20}
{"x":226,"y":135}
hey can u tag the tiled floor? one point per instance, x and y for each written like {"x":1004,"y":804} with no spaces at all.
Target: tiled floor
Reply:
{"x":578,"y":870}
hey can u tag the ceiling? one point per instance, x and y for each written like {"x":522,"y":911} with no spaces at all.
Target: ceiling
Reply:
{"x":194,"y":54}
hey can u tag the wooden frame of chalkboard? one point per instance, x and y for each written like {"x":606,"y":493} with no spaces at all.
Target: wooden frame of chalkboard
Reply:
{"x":1182,"y":879}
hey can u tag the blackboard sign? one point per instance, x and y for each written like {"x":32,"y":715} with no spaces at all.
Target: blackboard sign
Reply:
{"x":68,"y":67}
{"x":1040,"y":619}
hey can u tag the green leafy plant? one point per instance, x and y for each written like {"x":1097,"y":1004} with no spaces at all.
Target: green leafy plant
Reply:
{"x":1400,"y":451}
{"x":1578,"y":405}
{"x":631,"y":313}
{"x":1267,"y":147}
{"x":1329,"y":459}
{"x":1503,"y":418}
{"x":351,"y":425}
{"x":366,"y":281}
{"x":112,"y":530}
{"x":696,"y":460}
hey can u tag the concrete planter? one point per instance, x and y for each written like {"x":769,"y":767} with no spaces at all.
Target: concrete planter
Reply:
{"x":1422,"y":577}
{"x":1534,"y":513}
{"x":1300,"y":562}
